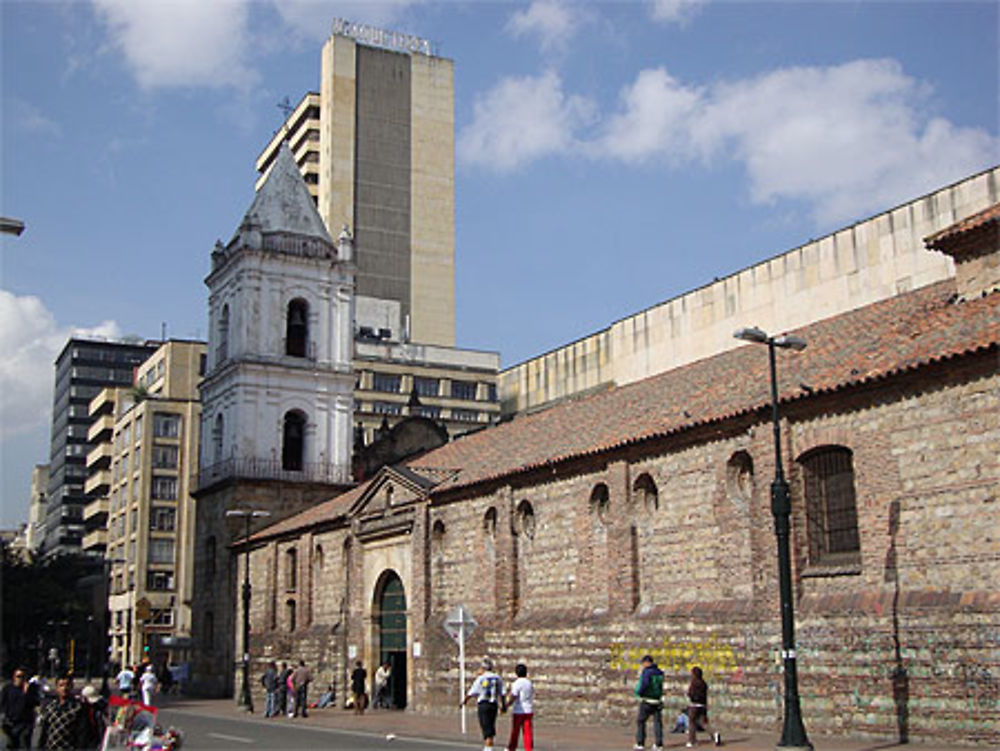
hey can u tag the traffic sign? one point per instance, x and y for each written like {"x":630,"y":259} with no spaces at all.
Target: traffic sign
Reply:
{"x":142,"y":608}
{"x":459,"y":623}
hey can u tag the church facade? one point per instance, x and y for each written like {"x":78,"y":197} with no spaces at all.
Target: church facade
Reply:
{"x":637,"y":520}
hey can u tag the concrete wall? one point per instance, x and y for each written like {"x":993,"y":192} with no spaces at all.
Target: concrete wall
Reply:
{"x":869,"y":261}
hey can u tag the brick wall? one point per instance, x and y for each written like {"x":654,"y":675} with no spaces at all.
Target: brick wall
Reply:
{"x":905,"y":642}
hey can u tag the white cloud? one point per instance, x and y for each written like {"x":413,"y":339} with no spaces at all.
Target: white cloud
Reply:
{"x":181,"y":42}
{"x":846,"y":139}
{"x":520,"y":120}
{"x":554,"y":22}
{"x":675,"y":11}
{"x":29,"y":118}
{"x":30,"y":340}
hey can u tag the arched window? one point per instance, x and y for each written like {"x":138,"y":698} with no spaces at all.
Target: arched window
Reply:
{"x":217,"y":434}
{"x":600,"y":502}
{"x":524,"y":519}
{"x":490,"y":523}
{"x":290,"y":614}
{"x":830,"y":504}
{"x":297,"y":328}
{"x":645,"y":492}
{"x":293,"y":441}
{"x":222,"y":351}
{"x":291,"y":569}
{"x":739,"y":479}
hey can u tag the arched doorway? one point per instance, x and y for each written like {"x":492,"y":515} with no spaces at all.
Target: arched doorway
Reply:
{"x":390,"y":620}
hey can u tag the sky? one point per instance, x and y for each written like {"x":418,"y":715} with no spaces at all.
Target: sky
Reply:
{"x":609,"y":156}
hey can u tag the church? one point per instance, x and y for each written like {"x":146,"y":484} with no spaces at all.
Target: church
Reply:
{"x":629,"y":521}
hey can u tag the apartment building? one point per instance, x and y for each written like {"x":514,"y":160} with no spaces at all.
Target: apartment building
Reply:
{"x":145,"y":457}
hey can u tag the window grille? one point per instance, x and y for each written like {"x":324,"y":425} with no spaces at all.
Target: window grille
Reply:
{"x":831,"y":507}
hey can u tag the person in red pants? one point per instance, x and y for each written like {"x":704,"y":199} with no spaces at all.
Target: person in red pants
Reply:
{"x":521,"y":700}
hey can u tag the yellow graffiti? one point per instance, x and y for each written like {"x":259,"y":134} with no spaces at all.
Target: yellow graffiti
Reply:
{"x":713,"y":656}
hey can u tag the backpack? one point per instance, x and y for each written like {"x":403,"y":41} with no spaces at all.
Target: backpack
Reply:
{"x":655,"y":690}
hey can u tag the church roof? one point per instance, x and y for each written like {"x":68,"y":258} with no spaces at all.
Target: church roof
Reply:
{"x":852,"y":349}
{"x":283,"y":203}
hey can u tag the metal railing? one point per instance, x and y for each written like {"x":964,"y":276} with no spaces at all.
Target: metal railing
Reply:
{"x":271,"y":469}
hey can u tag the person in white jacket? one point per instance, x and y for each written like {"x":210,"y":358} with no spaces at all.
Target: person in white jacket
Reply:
{"x":148,"y":684}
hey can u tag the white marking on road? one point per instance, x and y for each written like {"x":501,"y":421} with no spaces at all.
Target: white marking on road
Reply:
{"x":236,"y":738}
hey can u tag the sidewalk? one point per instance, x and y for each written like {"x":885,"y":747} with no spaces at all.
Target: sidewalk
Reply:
{"x":548,"y":736}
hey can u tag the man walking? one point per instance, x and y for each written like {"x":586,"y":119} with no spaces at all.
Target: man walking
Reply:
{"x":301,"y":678}
{"x":63,"y":723}
{"x":18,"y":702}
{"x":359,"y":677}
{"x":124,"y":679}
{"x":382,"y":685}
{"x":521,"y":700}
{"x":488,"y":690}
{"x":698,"y":708}
{"x":270,"y":683}
{"x":649,"y":691}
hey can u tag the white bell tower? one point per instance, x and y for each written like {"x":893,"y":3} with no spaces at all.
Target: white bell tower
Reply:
{"x":277,"y":398}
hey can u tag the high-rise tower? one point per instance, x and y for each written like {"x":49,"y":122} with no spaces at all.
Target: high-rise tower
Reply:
{"x":376,"y":148}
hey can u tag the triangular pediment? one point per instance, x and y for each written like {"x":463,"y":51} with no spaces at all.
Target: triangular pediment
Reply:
{"x":392,"y":489}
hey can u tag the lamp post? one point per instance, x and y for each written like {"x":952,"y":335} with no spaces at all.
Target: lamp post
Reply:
{"x":246,"y":698}
{"x":793,"y":734}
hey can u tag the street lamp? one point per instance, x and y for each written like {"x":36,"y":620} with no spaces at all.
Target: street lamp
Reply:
{"x":793,"y":735}
{"x":246,"y":698}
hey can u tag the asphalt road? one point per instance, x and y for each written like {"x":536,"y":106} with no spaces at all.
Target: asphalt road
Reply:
{"x":247,"y":734}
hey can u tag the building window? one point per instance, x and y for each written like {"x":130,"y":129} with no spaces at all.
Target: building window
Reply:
{"x":387,"y":382}
{"x":162,"y":519}
{"x":491,"y":392}
{"x":739,"y":479}
{"x":645,"y":492}
{"x":293,"y":441}
{"x":160,"y":581}
{"x":222,"y":351}
{"x":290,"y":614}
{"x":164,"y":488}
{"x":490,"y":522}
{"x":297,"y":328}
{"x":164,"y":457}
{"x":524,"y":519}
{"x":433,"y":413}
{"x":465,"y":390}
{"x":165,"y":425}
{"x":217,"y":431}
{"x":465,"y":415}
{"x":291,"y":569}
{"x":161,"y":617}
{"x":161,"y":551}
{"x":427,"y":386}
{"x":831,"y":507}
{"x":600,"y":502}
{"x":386,"y":408}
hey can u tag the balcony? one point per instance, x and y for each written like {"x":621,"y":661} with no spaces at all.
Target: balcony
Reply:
{"x":98,"y":483}
{"x":96,"y":541}
{"x":97,"y":507}
{"x":271,"y":469}
{"x":101,"y":428}
{"x":99,"y":456}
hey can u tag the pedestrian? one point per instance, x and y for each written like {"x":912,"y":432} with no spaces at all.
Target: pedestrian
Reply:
{"x":124,"y":680}
{"x":270,"y":683}
{"x":290,"y":692}
{"x":283,"y":688}
{"x":18,"y":702}
{"x":328,"y":697}
{"x":301,"y":678}
{"x":488,"y":690}
{"x":698,"y":708}
{"x":359,"y":678}
{"x":97,"y":715}
{"x":649,"y":691}
{"x":148,"y":684}
{"x":382,"y":685}
{"x":62,"y":723}
{"x":521,"y":700}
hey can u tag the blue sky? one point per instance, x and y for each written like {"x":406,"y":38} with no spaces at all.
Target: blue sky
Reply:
{"x":609,"y":156}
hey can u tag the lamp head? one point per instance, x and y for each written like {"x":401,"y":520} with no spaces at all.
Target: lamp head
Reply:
{"x":751,"y":334}
{"x":790,"y":342}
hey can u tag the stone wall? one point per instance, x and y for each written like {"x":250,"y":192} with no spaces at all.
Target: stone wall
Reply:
{"x":904,"y":642}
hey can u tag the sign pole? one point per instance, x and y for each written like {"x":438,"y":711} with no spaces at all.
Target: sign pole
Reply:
{"x":461,"y":668}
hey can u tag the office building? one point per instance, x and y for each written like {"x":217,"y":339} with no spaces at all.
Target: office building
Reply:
{"x":83,"y":368}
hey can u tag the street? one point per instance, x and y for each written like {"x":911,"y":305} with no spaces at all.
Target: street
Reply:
{"x":249,"y":732}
